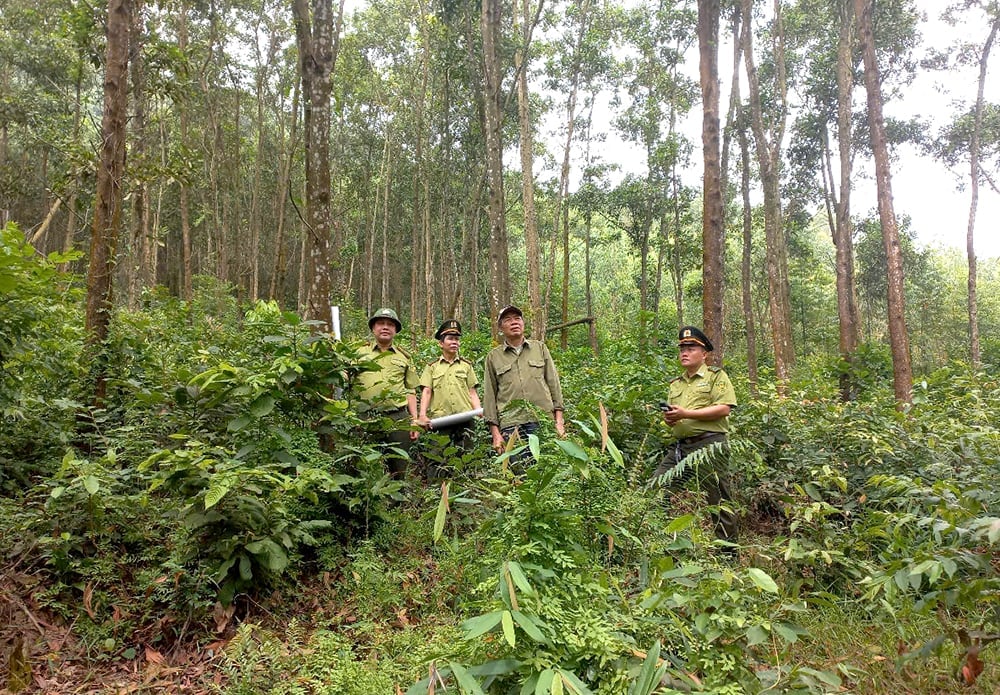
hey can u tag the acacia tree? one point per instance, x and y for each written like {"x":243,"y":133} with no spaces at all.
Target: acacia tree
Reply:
{"x":499,"y":261}
{"x":768,"y":134}
{"x":317,"y":35}
{"x":899,"y":341}
{"x":713,"y":223}
{"x":111,"y":166}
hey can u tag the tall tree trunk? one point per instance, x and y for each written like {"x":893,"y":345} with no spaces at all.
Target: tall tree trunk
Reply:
{"x":974,"y":147}
{"x":316,"y":31}
{"x":532,"y":250}
{"x":713,"y":224}
{"x":139,"y":275}
{"x":899,"y":339}
{"x":769,"y":161}
{"x":287,"y":154}
{"x":746,"y":278}
{"x":499,"y":260}
{"x":843,"y":235}
{"x":108,"y":196}
{"x":185,"y":212}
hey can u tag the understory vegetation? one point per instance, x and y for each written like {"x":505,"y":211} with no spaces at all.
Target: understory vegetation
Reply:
{"x":221,"y":523}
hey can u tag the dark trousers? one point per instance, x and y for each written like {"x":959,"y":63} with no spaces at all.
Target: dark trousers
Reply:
{"x":521,"y":459}
{"x":398,"y":437}
{"x":712,"y":476}
{"x":436,"y":442}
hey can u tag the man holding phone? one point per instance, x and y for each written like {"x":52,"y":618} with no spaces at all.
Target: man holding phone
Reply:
{"x":698,"y":410}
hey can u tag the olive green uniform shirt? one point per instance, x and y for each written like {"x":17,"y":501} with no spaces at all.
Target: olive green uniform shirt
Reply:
{"x":386,"y":388}
{"x":449,"y":383}
{"x":526,"y":375}
{"x":707,"y":387}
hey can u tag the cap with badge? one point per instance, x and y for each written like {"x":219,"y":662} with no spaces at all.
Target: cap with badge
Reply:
{"x":509,"y":309}
{"x":385,"y":313}
{"x":449,"y":327}
{"x":689,"y":335}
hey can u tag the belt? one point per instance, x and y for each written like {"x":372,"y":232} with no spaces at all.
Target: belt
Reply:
{"x":701,"y":435}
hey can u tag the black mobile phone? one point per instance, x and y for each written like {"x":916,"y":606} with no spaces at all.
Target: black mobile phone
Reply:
{"x":665,"y":407}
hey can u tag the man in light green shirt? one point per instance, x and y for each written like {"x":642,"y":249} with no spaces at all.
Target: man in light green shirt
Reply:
{"x":698,"y":412}
{"x":449,"y":388}
{"x":390,"y":391}
{"x":519,"y":370}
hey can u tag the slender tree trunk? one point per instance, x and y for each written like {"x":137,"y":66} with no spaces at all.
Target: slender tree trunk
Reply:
{"x":182,"y":117}
{"x":140,"y":275}
{"x":974,"y":147}
{"x":287,"y":153}
{"x":500,"y":287}
{"x":108,"y":197}
{"x":316,"y":32}
{"x":746,"y":277}
{"x":769,"y":159}
{"x":531,"y":243}
{"x":899,"y":340}
{"x":843,"y":235}
{"x":713,"y":223}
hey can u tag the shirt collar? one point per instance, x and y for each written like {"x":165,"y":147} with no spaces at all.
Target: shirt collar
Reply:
{"x":376,"y":348}
{"x":702,"y":371}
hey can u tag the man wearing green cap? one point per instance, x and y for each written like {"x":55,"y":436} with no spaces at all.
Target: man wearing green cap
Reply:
{"x":449,"y":386}
{"x":390,"y":390}
{"x":698,"y":412}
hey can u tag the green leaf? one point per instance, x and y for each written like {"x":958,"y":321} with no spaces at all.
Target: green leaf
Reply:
{"x":520,"y":580}
{"x":534,"y":446}
{"x":573,"y":449}
{"x":544,"y":684}
{"x":756,"y":635}
{"x":787,"y":632}
{"x":647,"y":679}
{"x":762,"y":580}
{"x":246,"y":568}
{"x":442,"y":513}
{"x":481,"y":624}
{"x":238,"y":423}
{"x":680,"y":523}
{"x":219,"y":489}
{"x":466,"y":682}
{"x":57,"y":492}
{"x":507,"y":622}
{"x":91,"y":484}
{"x":262,"y":405}
{"x":269,"y":553}
{"x":529,"y":627}
{"x":578,"y":686}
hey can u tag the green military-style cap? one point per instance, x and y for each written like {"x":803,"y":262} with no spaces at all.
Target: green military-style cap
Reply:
{"x":449,"y":327}
{"x":509,"y":309}
{"x":689,"y":335}
{"x":385,"y":313}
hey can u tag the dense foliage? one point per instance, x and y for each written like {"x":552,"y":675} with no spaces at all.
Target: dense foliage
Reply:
{"x":225,"y":497}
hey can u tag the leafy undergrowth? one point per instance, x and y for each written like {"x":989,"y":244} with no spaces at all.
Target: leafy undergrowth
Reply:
{"x":223,"y":524}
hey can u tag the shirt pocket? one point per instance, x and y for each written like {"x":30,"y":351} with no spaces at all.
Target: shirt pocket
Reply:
{"x":537,"y":364}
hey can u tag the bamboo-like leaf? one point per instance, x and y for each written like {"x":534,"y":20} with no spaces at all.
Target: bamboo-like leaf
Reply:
{"x":575,"y":684}
{"x":544,"y":684}
{"x":529,"y":627}
{"x":481,"y":624}
{"x":517,"y":574}
{"x":509,"y":581}
{"x":573,"y":449}
{"x":535,"y":446}
{"x":604,"y":427}
{"x":442,"y":513}
{"x":466,"y":681}
{"x":507,"y":623}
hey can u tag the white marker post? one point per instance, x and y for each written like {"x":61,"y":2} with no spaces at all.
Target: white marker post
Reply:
{"x":335,"y":321}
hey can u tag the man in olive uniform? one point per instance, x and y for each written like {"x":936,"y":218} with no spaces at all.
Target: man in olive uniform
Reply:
{"x":449,"y":387}
{"x":519,"y":370}
{"x":390,"y":390}
{"x":699,"y":405}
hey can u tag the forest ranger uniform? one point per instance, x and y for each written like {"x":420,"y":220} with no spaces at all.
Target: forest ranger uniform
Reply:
{"x":523,"y":373}
{"x":388,"y":390}
{"x":447,"y":389}
{"x":707,"y":387}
